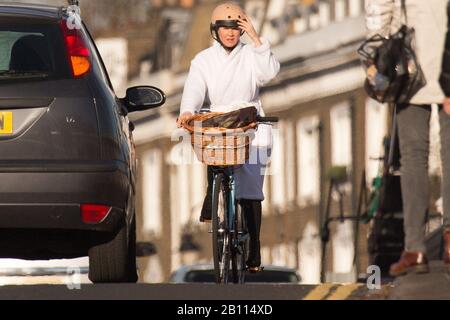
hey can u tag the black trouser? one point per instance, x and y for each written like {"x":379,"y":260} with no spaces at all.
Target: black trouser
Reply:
{"x":252,"y":212}
{"x":207,"y":203}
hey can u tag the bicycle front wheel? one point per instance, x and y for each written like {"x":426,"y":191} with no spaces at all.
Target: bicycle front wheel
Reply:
{"x":220,"y":239}
{"x":240,"y":243}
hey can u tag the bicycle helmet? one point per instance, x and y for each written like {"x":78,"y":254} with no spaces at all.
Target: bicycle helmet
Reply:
{"x":225,"y":15}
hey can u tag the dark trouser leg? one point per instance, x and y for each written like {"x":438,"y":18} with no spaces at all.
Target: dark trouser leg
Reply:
{"x":444,"y":120}
{"x":252,"y":212}
{"x":207,"y":202}
{"x":413,"y":128}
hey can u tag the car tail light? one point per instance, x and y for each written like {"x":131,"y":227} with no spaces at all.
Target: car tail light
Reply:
{"x":77,"y":50}
{"x":93,"y":213}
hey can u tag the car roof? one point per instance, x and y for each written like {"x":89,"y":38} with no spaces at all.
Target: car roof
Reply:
{"x":32,"y":10}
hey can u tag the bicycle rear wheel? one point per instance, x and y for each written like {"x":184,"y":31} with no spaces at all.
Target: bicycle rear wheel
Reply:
{"x":220,"y":239}
{"x":239,"y":246}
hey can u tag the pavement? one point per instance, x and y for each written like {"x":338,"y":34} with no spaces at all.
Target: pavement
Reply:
{"x":429,"y":286}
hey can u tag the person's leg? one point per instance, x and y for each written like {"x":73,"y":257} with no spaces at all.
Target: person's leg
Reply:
{"x":249,"y":180}
{"x":252,"y":214}
{"x":205,"y":215}
{"x":413,"y":129}
{"x":444,"y":121}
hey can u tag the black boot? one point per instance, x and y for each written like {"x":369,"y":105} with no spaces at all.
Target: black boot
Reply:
{"x":252,"y":212}
{"x":205,"y":214}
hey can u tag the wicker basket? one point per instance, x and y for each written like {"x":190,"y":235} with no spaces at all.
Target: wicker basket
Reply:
{"x":216,"y":146}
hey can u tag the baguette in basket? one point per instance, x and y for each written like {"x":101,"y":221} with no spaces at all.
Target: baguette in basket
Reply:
{"x":222,"y":139}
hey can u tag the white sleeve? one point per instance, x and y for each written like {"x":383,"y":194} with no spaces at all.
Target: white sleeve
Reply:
{"x":194,"y":90}
{"x":382,"y":16}
{"x":266,"y":66}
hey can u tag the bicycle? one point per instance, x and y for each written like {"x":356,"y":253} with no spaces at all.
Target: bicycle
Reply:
{"x":230,"y":238}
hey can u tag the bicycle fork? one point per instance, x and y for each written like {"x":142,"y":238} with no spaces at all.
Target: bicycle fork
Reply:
{"x":241,"y":235}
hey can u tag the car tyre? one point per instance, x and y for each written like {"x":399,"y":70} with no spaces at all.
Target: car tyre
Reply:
{"x":132,"y":267}
{"x":114,"y":260}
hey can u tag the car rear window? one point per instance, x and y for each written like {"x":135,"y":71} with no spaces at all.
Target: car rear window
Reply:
{"x":32,"y":51}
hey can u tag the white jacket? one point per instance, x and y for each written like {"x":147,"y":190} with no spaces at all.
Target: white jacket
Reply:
{"x":230,"y":81}
{"x":429,"y":19}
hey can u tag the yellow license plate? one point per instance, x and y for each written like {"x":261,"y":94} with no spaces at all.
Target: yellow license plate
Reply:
{"x":6,"y":122}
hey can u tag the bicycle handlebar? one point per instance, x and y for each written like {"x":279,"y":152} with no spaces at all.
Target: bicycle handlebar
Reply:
{"x":266,"y":119}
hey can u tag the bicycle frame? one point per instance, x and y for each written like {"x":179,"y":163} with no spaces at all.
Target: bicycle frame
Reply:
{"x":231,"y":196}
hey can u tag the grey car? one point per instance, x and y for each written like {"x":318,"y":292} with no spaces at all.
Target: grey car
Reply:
{"x":204,"y":273}
{"x":67,"y":160}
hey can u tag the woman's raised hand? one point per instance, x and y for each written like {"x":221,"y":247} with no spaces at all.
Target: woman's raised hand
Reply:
{"x":247,"y":26}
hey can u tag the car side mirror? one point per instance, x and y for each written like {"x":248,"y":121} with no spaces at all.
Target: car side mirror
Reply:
{"x":143,"y":98}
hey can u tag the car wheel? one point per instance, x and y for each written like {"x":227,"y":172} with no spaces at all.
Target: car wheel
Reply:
{"x":115,"y":260}
{"x":132,"y":270}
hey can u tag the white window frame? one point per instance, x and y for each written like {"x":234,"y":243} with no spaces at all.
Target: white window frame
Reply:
{"x":310,"y":254}
{"x":355,"y":8}
{"x":153,"y":273}
{"x":324,"y":13}
{"x":341,"y":135}
{"x":175,"y":224}
{"x":375,"y":131}
{"x":256,"y":10}
{"x":184,"y":197}
{"x":266,"y":255}
{"x":152,"y":161}
{"x":278,"y":253}
{"x":114,"y":52}
{"x":289,"y":133}
{"x":339,"y":10}
{"x":277,"y":167}
{"x":343,"y":249}
{"x":300,"y":25}
{"x":275,"y":10}
{"x":267,"y":200}
{"x":314,"y":21}
{"x":308,"y":158}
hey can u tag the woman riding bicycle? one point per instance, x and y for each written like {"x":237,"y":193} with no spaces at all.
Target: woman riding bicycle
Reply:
{"x":226,"y":75}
